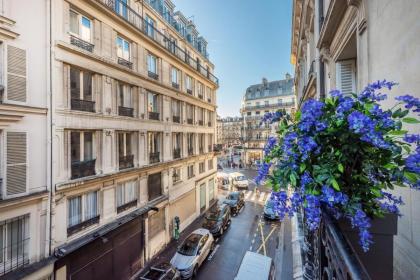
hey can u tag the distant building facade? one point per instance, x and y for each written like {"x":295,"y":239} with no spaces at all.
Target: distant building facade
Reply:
{"x":258,"y":100}
{"x":230,"y":131}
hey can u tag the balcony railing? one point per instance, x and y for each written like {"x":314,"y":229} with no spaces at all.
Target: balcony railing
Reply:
{"x":175,"y":85}
{"x":134,"y":19}
{"x":190,"y":151}
{"x":200,"y":122}
{"x":81,"y":226}
{"x":81,"y":43}
{"x":210,"y":148}
{"x":176,"y":119}
{"x":83,"y":105}
{"x":80,"y":169}
{"x":154,"y":157}
{"x":177,"y":153}
{"x":190,"y":121}
{"x":126,"y":161}
{"x":125,"y":63}
{"x":126,"y":206}
{"x":189,"y":91}
{"x":209,"y":124}
{"x":217,"y":147}
{"x":201,"y":150}
{"x":154,"y":116}
{"x":200,"y":96}
{"x":263,"y":106}
{"x":153,"y":75}
{"x":125,"y":111}
{"x":209,"y":100}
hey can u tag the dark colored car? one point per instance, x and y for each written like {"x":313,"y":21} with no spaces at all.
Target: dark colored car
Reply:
{"x":236,"y":200}
{"x":219,"y":167}
{"x":218,"y":219}
{"x":162,"y":271}
{"x":269,"y":212}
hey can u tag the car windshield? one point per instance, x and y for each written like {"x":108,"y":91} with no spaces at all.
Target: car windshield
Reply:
{"x":233,"y":196}
{"x":190,"y":245}
{"x":269,"y":204}
{"x":240,"y":178}
{"x":213,"y":216}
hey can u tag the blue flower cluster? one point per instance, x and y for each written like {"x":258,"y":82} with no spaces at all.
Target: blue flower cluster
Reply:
{"x":311,"y":111}
{"x":362,"y":222}
{"x":332,"y":198}
{"x":344,"y":103}
{"x":362,"y":124}
{"x":412,"y":138}
{"x":305,"y":180}
{"x":312,"y":211}
{"x":271,"y":143}
{"x":280,"y":205}
{"x":384,"y":118}
{"x":306,"y":145}
{"x":369,"y":92}
{"x":270,"y":118}
{"x":263,"y":170}
{"x":389,"y":203}
{"x":412,"y":162}
{"x":411,"y":102}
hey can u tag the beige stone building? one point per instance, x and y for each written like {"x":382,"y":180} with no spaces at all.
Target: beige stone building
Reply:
{"x":347,"y":44}
{"x":105,"y":137}
{"x":258,"y":100}
{"x":230,"y":131}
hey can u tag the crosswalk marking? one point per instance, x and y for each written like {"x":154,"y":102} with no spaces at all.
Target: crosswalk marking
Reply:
{"x":248,"y":194}
{"x":262,"y":197}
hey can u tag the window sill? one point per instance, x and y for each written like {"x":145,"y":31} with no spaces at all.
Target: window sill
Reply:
{"x":82,"y":226}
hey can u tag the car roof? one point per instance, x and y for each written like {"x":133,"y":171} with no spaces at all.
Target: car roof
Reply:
{"x":254,"y":266}
{"x":201,"y":231}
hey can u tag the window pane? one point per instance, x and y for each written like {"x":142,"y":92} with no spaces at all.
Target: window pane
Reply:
{"x":88,"y":146}
{"x":128,"y":144}
{"x":75,"y":211}
{"x":120,"y":89}
{"x":91,"y":205}
{"x":86,"y":29}
{"x":121,"y":144}
{"x":87,"y":86}
{"x":120,"y":195}
{"x":75,"y":83}
{"x":119,"y":47}
{"x":74,"y":22}
{"x":126,"y":55}
{"x":75,"y":146}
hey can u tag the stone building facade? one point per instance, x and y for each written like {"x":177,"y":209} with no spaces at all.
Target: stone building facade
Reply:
{"x":342,"y":45}
{"x":258,"y":100}
{"x":118,"y":122}
{"x":230,"y":131}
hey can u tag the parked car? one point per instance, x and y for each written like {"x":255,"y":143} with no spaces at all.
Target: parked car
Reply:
{"x":223,"y":181}
{"x":256,"y":267}
{"x":218,"y":219}
{"x":192,"y":252}
{"x":162,"y":271}
{"x":236,"y":200}
{"x":238,"y":180}
{"x":269,"y":212}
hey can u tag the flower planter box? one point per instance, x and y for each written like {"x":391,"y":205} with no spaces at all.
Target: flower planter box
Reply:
{"x":378,"y":261}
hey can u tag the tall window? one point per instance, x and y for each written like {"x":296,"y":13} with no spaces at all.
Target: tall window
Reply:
{"x":125,"y":100}
{"x":81,"y":154}
{"x":174,"y":76}
{"x":80,"y":26}
{"x":190,"y":142}
{"x":189,"y":84}
{"x":126,"y":195}
{"x":177,"y":144}
{"x":176,"y":175}
{"x":190,"y":114}
{"x":154,"y":146}
{"x":81,"y":90}
{"x":152,"y":63}
{"x":201,"y":167}
{"x":121,"y":7}
{"x":125,"y":153}
{"x":200,"y":116}
{"x":190,"y":170}
{"x":82,"y":212}
{"x":150,"y":23}
{"x":200,"y":90}
{"x":153,"y":105}
{"x":123,"y":48}
{"x":201,"y":142}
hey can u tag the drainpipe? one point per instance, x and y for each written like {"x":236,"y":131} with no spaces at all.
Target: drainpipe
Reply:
{"x":51,"y":130}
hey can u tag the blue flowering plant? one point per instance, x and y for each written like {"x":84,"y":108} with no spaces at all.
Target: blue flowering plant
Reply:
{"x":343,"y":155}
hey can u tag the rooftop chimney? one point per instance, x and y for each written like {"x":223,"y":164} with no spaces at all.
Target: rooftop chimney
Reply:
{"x":264,"y":81}
{"x":288,"y":76}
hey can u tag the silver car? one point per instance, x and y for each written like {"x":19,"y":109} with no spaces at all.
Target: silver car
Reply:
{"x":192,"y":252}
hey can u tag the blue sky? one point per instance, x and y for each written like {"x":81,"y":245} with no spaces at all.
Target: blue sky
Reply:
{"x":248,"y":40}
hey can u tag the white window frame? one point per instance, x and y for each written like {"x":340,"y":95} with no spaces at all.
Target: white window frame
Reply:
{"x":128,"y":195}
{"x":125,"y":148}
{"x":82,"y":146}
{"x":155,"y":104}
{"x":175,"y":75}
{"x":127,"y":92}
{"x":79,"y":34}
{"x":352,"y":63}
{"x":152,"y":67}
{"x":83,"y":207}
{"x":122,"y":52}
{"x":81,"y":83}
{"x":188,"y":82}
{"x":178,"y":171}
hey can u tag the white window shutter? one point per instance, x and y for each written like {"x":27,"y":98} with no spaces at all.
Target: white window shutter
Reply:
{"x":16,"y":163}
{"x":16,"y":74}
{"x":346,"y":76}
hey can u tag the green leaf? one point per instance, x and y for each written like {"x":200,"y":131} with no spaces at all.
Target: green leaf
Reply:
{"x":302,"y":167}
{"x":411,"y":120}
{"x":340,"y":168}
{"x":376,"y":192}
{"x":298,"y":115}
{"x":397,"y":132}
{"x":293,"y":179}
{"x":407,"y":149}
{"x":390,"y":165}
{"x":412,"y":177}
{"x":335,"y":184}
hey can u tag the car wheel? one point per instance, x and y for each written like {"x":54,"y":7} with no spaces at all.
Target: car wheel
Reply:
{"x":194,"y":272}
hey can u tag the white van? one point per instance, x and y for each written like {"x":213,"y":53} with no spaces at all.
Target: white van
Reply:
{"x":238,"y":180}
{"x":256,"y":267}
{"x":223,"y":181}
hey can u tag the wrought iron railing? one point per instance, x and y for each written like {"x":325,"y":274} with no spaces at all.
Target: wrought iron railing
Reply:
{"x":209,"y":100}
{"x":125,"y":63}
{"x":175,"y":85}
{"x":200,"y":96}
{"x":82,"y":105}
{"x":81,"y":43}
{"x":190,"y":121}
{"x":126,"y":161}
{"x":177,"y":153}
{"x":189,"y":91}
{"x":154,"y":116}
{"x":81,"y":226}
{"x":153,"y":75}
{"x":125,"y":111}
{"x":80,"y":169}
{"x":209,"y":124}
{"x":263,"y":106}
{"x":126,"y":13}
{"x":200,"y":122}
{"x":154,"y":157}
{"x":126,"y":206}
{"x":176,"y":119}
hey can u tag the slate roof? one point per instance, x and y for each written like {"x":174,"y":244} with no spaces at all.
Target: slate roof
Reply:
{"x":275,"y":88}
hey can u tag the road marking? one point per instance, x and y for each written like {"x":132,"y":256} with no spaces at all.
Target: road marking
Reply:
{"x":253,"y":196}
{"x":265,"y":240}
{"x":214,"y":252}
{"x":262,"y":196}
{"x":248,"y":193}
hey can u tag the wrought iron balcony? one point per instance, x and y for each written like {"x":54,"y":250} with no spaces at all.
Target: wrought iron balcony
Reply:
{"x":217,"y":147}
{"x":200,"y":96}
{"x":125,"y":111}
{"x":81,"y":226}
{"x":82,"y":105}
{"x":175,"y":85}
{"x":126,"y":162}
{"x":210,"y":148}
{"x":209,"y":124}
{"x":190,"y":121}
{"x":153,"y":75}
{"x":154,"y":116}
{"x":136,"y":20}
{"x":81,"y":43}
{"x":200,"y":122}
{"x":176,"y":119}
{"x":176,"y":177}
{"x":209,"y":100}
{"x":80,"y":169}
{"x":189,"y":91}
{"x":190,"y":151}
{"x":266,"y":106}
{"x":125,"y":63}
{"x":177,"y":153}
{"x":126,"y":206}
{"x":154,"y":157}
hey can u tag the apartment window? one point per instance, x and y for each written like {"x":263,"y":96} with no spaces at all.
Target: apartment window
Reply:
{"x":81,"y":90}
{"x":200,"y":90}
{"x":176,"y":175}
{"x":14,"y":243}
{"x":176,"y":111}
{"x":150,"y":26}
{"x":200,"y":116}
{"x":201,"y":167}
{"x":126,"y":195}
{"x":248,"y":113}
{"x":121,"y":8}
{"x":190,"y":170}
{"x":257,"y":112}
{"x":81,"y":153}
{"x":189,"y":84}
{"x":190,"y":114}
{"x":201,"y":143}
{"x":210,"y":139}
{"x":154,"y":186}
{"x":80,"y":26}
{"x":211,"y":189}
{"x":209,"y":94}
{"x":190,"y":143}
{"x":175,"y":77}
{"x":210,"y":118}
{"x":266,"y":102}
{"x":210,"y":164}
{"x":177,"y":144}
{"x":346,"y":76}
{"x":153,"y":106}
{"x":123,"y":52}
{"x":125,"y":153}
{"x":125,"y":100}
{"x":154,"y":147}
{"x":152,"y":66}
{"x":82,"y":212}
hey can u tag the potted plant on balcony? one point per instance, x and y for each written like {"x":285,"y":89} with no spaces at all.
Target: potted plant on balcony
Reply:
{"x":343,"y":155}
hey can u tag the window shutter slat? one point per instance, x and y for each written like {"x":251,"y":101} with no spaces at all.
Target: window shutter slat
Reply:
{"x":16,"y":74}
{"x":16,"y":163}
{"x":346,"y":76}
